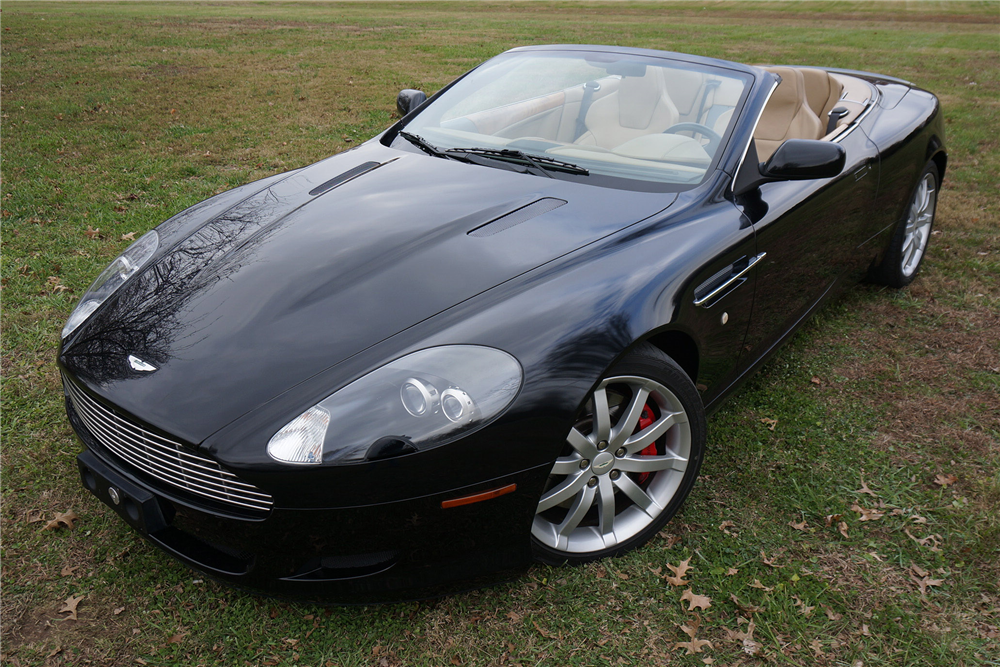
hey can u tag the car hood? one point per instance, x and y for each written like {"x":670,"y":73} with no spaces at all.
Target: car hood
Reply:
{"x":317,"y":267}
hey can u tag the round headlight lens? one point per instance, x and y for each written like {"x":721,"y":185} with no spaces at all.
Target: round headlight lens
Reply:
{"x":419,"y":398}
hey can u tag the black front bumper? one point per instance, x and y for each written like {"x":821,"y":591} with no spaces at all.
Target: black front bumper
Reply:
{"x":377,"y":552}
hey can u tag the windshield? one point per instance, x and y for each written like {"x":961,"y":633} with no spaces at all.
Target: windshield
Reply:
{"x":646,"y":119}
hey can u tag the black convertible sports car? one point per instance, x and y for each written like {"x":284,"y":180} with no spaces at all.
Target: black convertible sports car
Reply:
{"x":490,"y":334}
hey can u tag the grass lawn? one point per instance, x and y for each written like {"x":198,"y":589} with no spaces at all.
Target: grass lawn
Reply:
{"x":862,"y":529}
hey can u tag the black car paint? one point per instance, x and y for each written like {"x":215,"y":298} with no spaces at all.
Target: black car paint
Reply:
{"x":567,"y":294}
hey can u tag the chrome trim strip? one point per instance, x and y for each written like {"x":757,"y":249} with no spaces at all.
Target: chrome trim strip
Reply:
{"x":721,"y":288}
{"x":857,"y":122}
{"x":166,"y":460}
{"x":746,"y":148}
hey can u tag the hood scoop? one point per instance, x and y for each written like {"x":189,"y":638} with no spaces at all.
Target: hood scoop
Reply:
{"x":516,"y":217}
{"x":348,"y":175}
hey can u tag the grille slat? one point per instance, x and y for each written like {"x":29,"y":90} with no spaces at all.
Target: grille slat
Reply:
{"x":167,"y":461}
{"x":193,"y":464}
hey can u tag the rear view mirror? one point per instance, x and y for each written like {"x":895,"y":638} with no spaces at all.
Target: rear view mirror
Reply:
{"x":794,"y":160}
{"x":800,"y":159}
{"x":408,"y":100}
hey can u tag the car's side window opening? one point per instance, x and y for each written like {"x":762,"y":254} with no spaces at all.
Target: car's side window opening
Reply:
{"x":628,"y":117}
{"x":801,"y":105}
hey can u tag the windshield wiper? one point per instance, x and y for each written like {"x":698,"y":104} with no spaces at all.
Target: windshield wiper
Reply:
{"x":540,"y":162}
{"x":427,"y":147}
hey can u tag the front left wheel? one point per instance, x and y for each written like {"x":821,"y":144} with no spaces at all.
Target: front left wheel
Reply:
{"x":627,"y":465}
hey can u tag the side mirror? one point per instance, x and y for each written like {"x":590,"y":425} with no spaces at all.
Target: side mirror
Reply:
{"x":408,"y":100}
{"x":795,"y":160}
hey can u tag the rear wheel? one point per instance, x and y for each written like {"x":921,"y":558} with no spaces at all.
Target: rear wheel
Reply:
{"x":909,"y":242}
{"x":628,"y":462}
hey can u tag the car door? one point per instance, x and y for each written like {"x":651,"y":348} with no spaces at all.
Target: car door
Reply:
{"x":808,"y":233}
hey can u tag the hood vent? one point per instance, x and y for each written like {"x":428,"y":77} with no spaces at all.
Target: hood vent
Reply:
{"x":348,"y":175}
{"x":523,"y":214}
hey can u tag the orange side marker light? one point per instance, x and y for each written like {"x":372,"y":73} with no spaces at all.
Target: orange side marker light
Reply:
{"x":478,"y":497}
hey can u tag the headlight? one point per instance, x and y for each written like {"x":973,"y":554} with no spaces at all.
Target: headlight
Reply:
{"x":124,"y":267}
{"x":419,"y":401}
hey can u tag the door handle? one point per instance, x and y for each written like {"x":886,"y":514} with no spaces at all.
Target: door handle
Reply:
{"x":735,"y":276}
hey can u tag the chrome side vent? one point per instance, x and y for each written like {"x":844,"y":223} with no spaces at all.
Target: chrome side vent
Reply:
{"x":348,"y":175}
{"x":514,"y":218}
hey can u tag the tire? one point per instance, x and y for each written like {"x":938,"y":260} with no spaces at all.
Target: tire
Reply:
{"x":909,"y":242}
{"x":628,"y":463}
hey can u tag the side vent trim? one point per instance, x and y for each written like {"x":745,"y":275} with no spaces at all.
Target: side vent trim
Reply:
{"x":348,"y":175}
{"x":516,"y":217}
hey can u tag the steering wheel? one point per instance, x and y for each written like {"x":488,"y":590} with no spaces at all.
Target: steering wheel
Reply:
{"x":714,"y":138}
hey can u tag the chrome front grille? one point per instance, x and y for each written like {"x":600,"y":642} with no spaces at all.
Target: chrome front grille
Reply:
{"x":167,"y":461}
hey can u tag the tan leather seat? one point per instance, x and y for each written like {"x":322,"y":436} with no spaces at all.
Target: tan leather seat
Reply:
{"x":639,"y":107}
{"x":822,"y":91}
{"x":787,"y":114}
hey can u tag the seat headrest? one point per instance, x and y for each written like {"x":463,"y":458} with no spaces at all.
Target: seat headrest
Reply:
{"x":638,"y":97}
{"x":785,"y":103}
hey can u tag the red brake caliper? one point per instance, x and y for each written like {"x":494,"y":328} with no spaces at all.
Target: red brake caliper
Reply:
{"x":646,"y":419}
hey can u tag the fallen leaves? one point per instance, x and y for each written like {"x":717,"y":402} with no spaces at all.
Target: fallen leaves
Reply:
{"x":804,"y":609}
{"x":679,"y":572}
{"x":798,"y":526}
{"x":128,"y":237}
{"x":694,"y":646}
{"x":62,"y":520}
{"x":842,"y":529}
{"x":922,"y":579}
{"x":931,"y":541}
{"x":771,"y":423}
{"x":864,"y":488}
{"x":867,"y":514}
{"x":725,"y":526}
{"x":770,"y":562}
{"x":70,"y":605}
{"x":944,"y":481}
{"x":756,"y":584}
{"x":696,"y":601}
{"x":91,"y":233}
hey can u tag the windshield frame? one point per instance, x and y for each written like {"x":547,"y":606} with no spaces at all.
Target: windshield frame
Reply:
{"x":747,"y":75}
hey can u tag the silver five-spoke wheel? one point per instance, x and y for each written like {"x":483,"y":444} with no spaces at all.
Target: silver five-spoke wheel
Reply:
{"x":626,"y":464}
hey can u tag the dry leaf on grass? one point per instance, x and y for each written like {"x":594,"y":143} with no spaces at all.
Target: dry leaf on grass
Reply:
{"x":679,"y":572}
{"x":177,"y":638}
{"x":931,"y":541}
{"x":816,"y":381}
{"x":864,"y":488}
{"x":694,"y":646}
{"x":804,"y":609}
{"x":945,"y":480}
{"x":798,"y":526}
{"x":732,"y":572}
{"x":62,"y":520}
{"x":70,"y":605}
{"x":867,"y":514}
{"x":696,"y":601}
{"x":725,"y":526}
{"x":128,"y":237}
{"x":756,"y":584}
{"x":817,"y":647}
{"x":745,"y":608}
{"x":692,"y":629}
{"x":832,"y":615}
{"x":91,"y":233}
{"x":769,"y":561}
{"x":771,"y":423}
{"x":842,"y":528}
{"x":68,"y":571}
